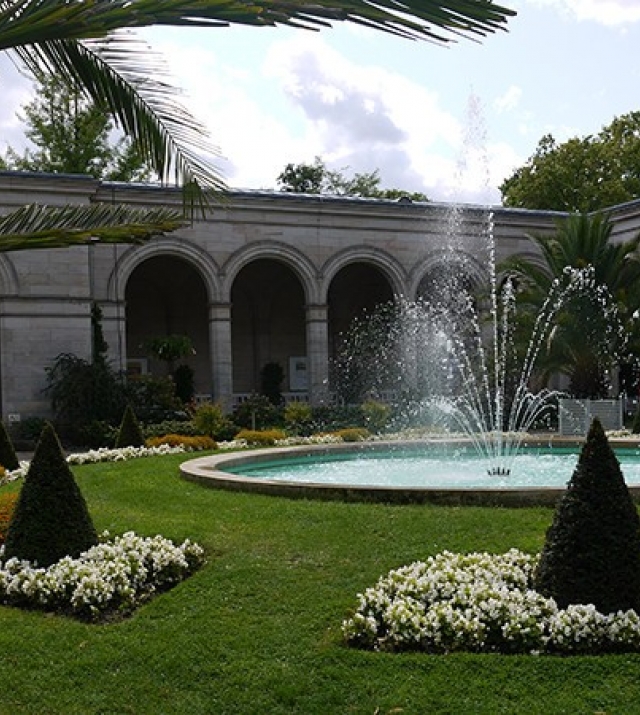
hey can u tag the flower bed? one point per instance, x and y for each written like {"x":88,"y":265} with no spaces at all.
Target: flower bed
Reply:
{"x":109,"y":579}
{"x":481,"y":603}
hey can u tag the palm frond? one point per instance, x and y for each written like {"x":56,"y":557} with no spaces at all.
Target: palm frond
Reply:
{"x":439,"y":20}
{"x":38,"y":226}
{"x":122,"y":74}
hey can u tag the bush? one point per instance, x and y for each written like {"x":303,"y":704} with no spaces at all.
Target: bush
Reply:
{"x":8,"y":501}
{"x":261,"y":438}
{"x":51,"y":519}
{"x":8,"y":456}
{"x":82,"y":392}
{"x":154,"y":399}
{"x":376,"y":415}
{"x":329,"y":418}
{"x":189,"y":442}
{"x":97,"y":434}
{"x":592,"y":549}
{"x":635,"y":427}
{"x":298,"y":418}
{"x":158,"y":429}
{"x":353,"y":434}
{"x":209,"y":419}
{"x":130,"y":432}
{"x":257,"y":413}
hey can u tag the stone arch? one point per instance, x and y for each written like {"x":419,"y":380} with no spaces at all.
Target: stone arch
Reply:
{"x":296,"y":260}
{"x":358,"y":281}
{"x":202,"y":262}
{"x":166,"y":294}
{"x":383,"y":261}
{"x":268,"y":322}
{"x":472,"y":269}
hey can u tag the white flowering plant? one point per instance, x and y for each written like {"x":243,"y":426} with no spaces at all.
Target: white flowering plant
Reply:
{"x":111,"y":578}
{"x":480,"y":602}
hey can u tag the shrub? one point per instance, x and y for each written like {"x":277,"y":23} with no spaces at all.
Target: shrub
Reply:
{"x":130,"y":432}
{"x":8,"y":502}
{"x":189,"y":442}
{"x":297,"y":418}
{"x":8,"y":456}
{"x":592,"y":549}
{"x":154,"y":399}
{"x":51,"y":519}
{"x":262,"y":438}
{"x":158,"y":429}
{"x":328,"y":418}
{"x":97,"y":434}
{"x":635,"y":427}
{"x":256,"y":413}
{"x":209,"y":419}
{"x":353,"y":434}
{"x":376,"y":415}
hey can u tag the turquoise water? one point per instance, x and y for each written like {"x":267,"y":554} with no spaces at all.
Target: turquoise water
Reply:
{"x":432,"y":468}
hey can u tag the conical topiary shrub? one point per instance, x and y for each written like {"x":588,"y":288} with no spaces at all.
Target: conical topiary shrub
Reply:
{"x":592,"y":549}
{"x":51,"y":519}
{"x":130,"y":432}
{"x":8,"y":456}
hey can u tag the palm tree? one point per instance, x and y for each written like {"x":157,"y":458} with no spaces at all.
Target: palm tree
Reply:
{"x":84,"y":42}
{"x":600,"y":281}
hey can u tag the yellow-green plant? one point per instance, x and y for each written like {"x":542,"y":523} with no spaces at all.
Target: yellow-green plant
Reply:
{"x":262,"y":438}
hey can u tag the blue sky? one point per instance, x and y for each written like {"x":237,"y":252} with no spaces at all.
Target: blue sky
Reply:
{"x":363,"y":100}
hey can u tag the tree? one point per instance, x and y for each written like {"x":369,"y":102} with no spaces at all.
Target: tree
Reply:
{"x":592,"y":550}
{"x":51,"y":519}
{"x":72,"y":135}
{"x":317,"y":178}
{"x":582,"y":174}
{"x":599,"y":282}
{"x":83,"y":43}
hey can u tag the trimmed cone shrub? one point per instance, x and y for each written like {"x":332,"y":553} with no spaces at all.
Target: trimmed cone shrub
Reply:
{"x":592,"y":549}
{"x":130,"y":432}
{"x":51,"y":519}
{"x":8,"y":457}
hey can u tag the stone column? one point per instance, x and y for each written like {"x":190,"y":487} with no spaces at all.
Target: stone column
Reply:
{"x":221,"y":356}
{"x":318,"y":353}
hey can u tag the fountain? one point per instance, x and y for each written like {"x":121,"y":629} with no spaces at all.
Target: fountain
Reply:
{"x":451,"y":359}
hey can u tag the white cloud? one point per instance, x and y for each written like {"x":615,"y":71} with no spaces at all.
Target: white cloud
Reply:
{"x":612,"y":13}
{"x":509,"y":100}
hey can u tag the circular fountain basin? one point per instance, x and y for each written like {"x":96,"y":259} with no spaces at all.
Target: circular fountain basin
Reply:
{"x":409,"y":472}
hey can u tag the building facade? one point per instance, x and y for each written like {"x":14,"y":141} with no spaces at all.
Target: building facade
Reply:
{"x":264,"y":277}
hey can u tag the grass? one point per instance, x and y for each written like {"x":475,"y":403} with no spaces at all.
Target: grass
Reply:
{"x":257,"y":630}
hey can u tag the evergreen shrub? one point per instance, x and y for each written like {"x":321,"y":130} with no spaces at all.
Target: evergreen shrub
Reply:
{"x":592,"y":549}
{"x":8,"y":456}
{"x":130,"y":432}
{"x":353,"y":434}
{"x":51,"y":519}
{"x":298,"y":418}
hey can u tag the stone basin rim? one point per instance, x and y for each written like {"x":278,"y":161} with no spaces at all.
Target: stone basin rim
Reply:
{"x":209,"y":471}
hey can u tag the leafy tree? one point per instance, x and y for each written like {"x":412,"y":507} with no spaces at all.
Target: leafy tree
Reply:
{"x":82,"y":42}
{"x":72,"y":135}
{"x":51,"y":519}
{"x":598,"y":303}
{"x":582,"y":174}
{"x":317,"y":178}
{"x":592,"y":550}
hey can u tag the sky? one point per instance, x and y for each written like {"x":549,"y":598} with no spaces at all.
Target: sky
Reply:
{"x":452,"y":122}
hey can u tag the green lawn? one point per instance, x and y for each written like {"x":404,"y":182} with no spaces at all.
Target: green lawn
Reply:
{"x":257,"y":630}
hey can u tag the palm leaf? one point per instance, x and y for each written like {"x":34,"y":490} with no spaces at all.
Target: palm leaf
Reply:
{"x":37,"y":226}
{"x":123,"y":75}
{"x":23,"y":20}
